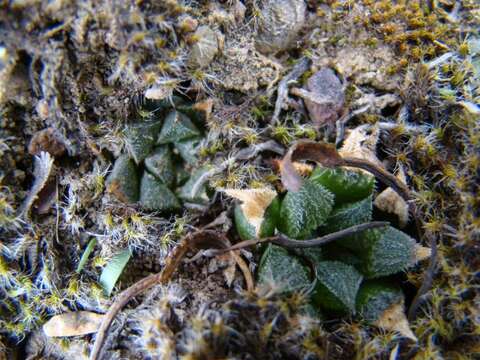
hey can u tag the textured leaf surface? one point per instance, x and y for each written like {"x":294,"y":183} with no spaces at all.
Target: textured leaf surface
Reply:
{"x":337,"y":286}
{"x":160,"y":165}
{"x":177,"y":127}
{"x":349,"y":214}
{"x":123,"y":181}
{"x":376,"y":296}
{"x":154,"y":195}
{"x":385,"y":251}
{"x":347,"y":185}
{"x":141,"y":138}
{"x":305,"y":210}
{"x":282,"y":271}
{"x":188,"y":149}
{"x":113,"y":270}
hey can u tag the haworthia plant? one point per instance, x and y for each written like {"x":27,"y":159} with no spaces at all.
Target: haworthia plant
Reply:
{"x":337,"y":286}
{"x":282,"y":270}
{"x":347,"y":185}
{"x":177,"y":127}
{"x":113,"y":270}
{"x":123,"y":181}
{"x":154,"y":195}
{"x":305,"y":210}
{"x":160,"y":164}
{"x":141,"y":138}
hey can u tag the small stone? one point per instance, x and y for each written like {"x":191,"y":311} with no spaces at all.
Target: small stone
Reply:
{"x":177,"y":127}
{"x":279,"y":25}
{"x":327,"y":89}
{"x":48,"y":140}
{"x":205,"y":48}
{"x":160,"y":165}
{"x":141,"y":138}
{"x":123,"y":180}
{"x":156,"y":196}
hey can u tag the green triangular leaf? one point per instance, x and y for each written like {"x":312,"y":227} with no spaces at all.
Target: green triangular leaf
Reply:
{"x":384,"y":251}
{"x":160,"y":164}
{"x":347,"y":185}
{"x":154,"y":195}
{"x":113,"y":270}
{"x":349,"y":214}
{"x":177,"y":127}
{"x":337,"y":286}
{"x":141,"y":138}
{"x":282,"y":270}
{"x":86,"y":253}
{"x":305,"y":210}
{"x":123,"y":181}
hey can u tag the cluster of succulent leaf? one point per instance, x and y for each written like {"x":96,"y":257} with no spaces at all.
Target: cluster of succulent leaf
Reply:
{"x":348,"y":275}
{"x":154,"y":170}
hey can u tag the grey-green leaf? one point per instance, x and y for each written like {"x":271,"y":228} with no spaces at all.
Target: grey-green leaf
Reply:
{"x":154,"y":195}
{"x":282,"y":270}
{"x":305,"y":210}
{"x":123,"y":181}
{"x":188,"y":149}
{"x":160,"y":164}
{"x":141,"y":138}
{"x":113,"y":270}
{"x":337,"y":286}
{"x":177,"y":127}
{"x":349,"y":214}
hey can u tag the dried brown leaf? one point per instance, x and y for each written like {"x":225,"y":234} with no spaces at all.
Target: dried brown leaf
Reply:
{"x":73,"y":324}
{"x":322,"y":153}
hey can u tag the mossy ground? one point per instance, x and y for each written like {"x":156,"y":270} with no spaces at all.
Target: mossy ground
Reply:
{"x":83,"y":67}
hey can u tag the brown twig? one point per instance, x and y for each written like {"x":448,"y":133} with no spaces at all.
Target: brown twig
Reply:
{"x":285,"y":241}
